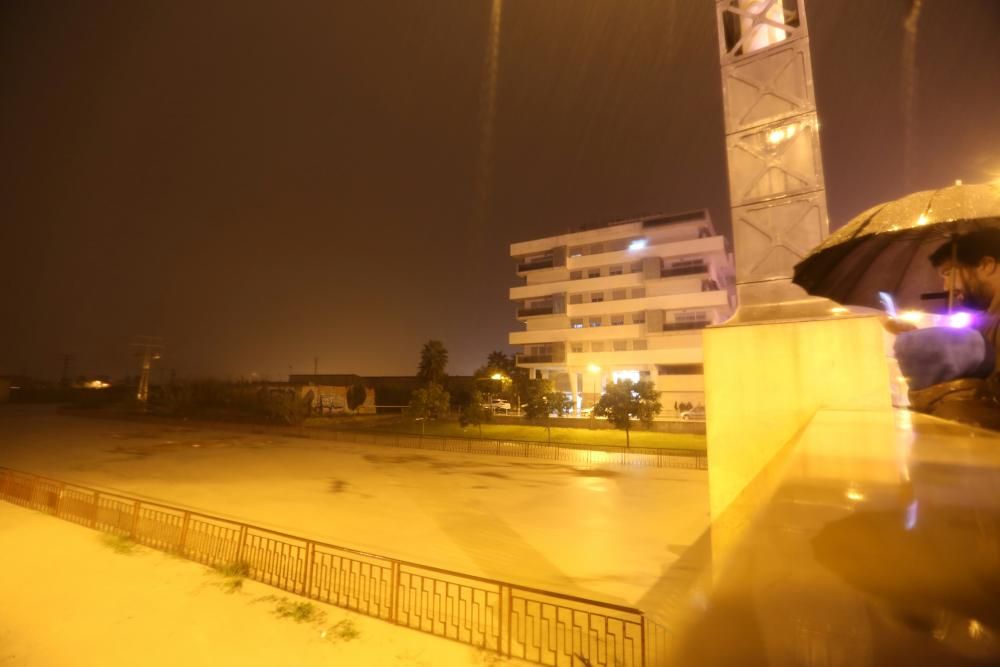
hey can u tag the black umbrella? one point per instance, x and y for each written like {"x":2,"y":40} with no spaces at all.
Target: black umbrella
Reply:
{"x":886,"y":248}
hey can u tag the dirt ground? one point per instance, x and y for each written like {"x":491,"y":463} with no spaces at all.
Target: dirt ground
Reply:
{"x":73,"y":597}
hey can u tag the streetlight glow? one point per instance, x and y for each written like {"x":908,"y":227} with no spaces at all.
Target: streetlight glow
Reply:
{"x":593,"y":368}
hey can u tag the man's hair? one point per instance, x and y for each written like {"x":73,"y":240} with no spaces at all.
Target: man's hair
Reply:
{"x":970,"y":248}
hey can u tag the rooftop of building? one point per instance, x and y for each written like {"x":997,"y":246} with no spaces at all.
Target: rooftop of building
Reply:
{"x":617,"y":228}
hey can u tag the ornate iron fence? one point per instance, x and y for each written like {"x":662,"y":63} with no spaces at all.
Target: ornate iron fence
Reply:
{"x":538,"y":626}
{"x":585,"y":455}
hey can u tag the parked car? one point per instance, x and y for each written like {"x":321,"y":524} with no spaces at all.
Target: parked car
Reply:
{"x":497,"y":404}
{"x":693,"y":414}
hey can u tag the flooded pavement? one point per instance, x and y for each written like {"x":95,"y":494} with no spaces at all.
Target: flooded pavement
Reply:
{"x":603,"y":532}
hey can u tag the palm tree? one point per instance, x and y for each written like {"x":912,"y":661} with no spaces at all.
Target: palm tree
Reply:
{"x":433,"y":360}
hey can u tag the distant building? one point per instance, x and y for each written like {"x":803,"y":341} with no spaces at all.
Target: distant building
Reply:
{"x":391,"y":392}
{"x":626,"y":299}
{"x":330,"y":392}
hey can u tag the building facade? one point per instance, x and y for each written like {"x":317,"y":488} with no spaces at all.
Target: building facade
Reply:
{"x":627,"y":299}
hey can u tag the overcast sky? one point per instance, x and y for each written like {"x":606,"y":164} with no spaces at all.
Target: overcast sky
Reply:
{"x":262,"y":183}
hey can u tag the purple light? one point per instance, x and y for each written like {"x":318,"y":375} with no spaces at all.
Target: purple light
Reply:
{"x":910,"y":521}
{"x":960,"y":320}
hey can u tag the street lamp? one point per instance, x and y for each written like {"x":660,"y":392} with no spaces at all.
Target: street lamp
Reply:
{"x":594,"y":370}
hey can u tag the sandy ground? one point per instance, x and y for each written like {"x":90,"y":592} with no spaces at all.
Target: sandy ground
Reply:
{"x":69,"y":598}
{"x":606,"y":533}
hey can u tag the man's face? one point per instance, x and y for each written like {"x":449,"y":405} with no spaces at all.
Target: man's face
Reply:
{"x":973,"y":289}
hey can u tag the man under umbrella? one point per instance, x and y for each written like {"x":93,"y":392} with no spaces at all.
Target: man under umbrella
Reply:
{"x":953,"y":371}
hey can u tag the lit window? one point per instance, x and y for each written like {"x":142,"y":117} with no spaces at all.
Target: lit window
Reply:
{"x":618,"y":376}
{"x":576,"y":324}
{"x":638,"y":244}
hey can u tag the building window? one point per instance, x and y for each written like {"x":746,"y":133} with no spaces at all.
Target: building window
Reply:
{"x":595,"y":321}
{"x":639,"y":318}
{"x":636,"y":267}
{"x":576,"y":298}
{"x":597,"y":297}
{"x":680,"y":369}
{"x":619,"y":294}
{"x":615,"y":271}
{"x":594,"y":273}
{"x":596,"y":248}
{"x":691,"y":317}
{"x":576,"y":347}
{"x":576,"y":324}
{"x":619,"y":345}
{"x":575,"y":275}
{"x":617,"y":320}
{"x":638,"y":292}
{"x":597,"y":346}
{"x":639,"y":344}
{"x":576,"y":252}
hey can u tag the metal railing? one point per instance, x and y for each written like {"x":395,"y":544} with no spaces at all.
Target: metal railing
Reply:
{"x":539,"y":626}
{"x":653,"y":457}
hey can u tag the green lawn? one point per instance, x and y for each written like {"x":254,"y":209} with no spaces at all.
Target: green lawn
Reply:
{"x":571,"y":436}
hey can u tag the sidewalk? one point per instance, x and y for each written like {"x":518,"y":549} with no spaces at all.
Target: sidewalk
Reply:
{"x":73,"y":596}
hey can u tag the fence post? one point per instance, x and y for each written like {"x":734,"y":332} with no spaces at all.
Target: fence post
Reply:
{"x":243,"y":539}
{"x":133,"y":532}
{"x":307,"y":577}
{"x":184,"y":533}
{"x":506,"y":620}
{"x":394,"y":594}
{"x":59,"y":497}
{"x":93,"y":519}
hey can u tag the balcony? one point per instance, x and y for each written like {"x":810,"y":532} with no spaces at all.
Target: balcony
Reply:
{"x":537,"y":264}
{"x":683,"y":271}
{"x":537,"y":310}
{"x":550,"y":358}
{"x":685,"y":326}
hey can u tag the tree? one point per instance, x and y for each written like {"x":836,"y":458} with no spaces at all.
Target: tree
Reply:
{"x":513,"y":384}
{"x":356,"y":396}
{"x":475,"y":412}
{"x":433,"y":360}
{"x":625,"y":400}
{"x":543,"y":401}
{"x":430,"y":402}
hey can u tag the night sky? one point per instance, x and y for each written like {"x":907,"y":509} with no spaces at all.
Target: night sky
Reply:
{"x":262,"y":183}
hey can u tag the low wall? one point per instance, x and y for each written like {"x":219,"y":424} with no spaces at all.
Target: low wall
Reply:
{"x":766,"y":381}
{"x":658,"y":426}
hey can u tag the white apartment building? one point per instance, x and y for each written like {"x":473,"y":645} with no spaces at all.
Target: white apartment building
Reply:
{"x":627,"y":299}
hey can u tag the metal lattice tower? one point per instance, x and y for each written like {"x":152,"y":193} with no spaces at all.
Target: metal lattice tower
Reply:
{"x":148,"y":349}
{"x":776,"y":188}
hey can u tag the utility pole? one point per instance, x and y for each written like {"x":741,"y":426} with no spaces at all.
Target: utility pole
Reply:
{"x":67,"y":360}
{"x":148,"y":349}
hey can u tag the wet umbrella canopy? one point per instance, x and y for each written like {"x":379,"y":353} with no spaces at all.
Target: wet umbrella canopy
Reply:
{"x":886,"y":248}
